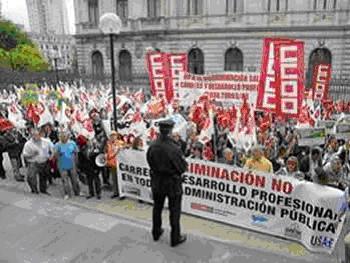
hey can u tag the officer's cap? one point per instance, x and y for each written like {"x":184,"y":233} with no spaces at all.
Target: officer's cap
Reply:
{"x":166,"y":124}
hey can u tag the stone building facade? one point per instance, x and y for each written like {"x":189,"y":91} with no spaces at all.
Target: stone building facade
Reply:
{"x":218,"y":35}
{"x":60,"y":47}
{"x":48,"y":16}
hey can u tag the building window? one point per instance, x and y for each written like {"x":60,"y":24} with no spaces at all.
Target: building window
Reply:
{"x":277,"y":5}
{"x":153,"y":8}
{"x":234,"y":6}
{"x":122,"y":9}
{"x":233,"y":60}
{"x":324,"y":4}
{"x":317,"y":56}
{"x":125,"y":66}
{"x":97,"y":63}
{"x":93,"y":12}
{"x":194,"y":7}
{"x":196,"y":61}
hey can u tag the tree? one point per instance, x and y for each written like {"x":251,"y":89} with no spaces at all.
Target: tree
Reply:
{"x":17,"y":51}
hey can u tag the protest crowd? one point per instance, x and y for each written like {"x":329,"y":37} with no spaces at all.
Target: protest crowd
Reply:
{"x":255,"y":135}
{"x":58,"y":138}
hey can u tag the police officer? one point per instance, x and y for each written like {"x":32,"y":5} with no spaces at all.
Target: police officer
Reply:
{"x":167,"y":164}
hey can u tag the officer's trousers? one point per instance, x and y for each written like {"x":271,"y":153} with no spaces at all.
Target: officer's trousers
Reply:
{"x":175,"y":212}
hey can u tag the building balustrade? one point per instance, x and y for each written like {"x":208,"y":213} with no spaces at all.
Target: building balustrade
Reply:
{"x":246,"y":19}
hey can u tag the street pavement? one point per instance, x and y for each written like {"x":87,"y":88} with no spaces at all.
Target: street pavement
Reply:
{"x":40,"y":228}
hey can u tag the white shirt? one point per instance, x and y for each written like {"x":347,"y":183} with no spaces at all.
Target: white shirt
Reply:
{"x":43,"y":147}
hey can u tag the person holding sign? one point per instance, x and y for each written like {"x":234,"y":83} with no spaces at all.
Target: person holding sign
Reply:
{"x":291,"y":169}
{"x":167,"y":163}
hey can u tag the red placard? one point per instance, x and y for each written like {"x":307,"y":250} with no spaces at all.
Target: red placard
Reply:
{"x":320,"y":81}
{"x":279,"y":90}
{"x":289,"y":69}
{"x":178,"y":62}
{"x":164,"y":73}
{"x":266,"y":98}
{"x":157,"y":75}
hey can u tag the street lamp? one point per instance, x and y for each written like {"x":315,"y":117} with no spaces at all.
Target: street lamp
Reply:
{"x":110,"y":24}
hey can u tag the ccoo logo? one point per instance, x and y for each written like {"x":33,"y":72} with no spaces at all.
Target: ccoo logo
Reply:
{"x":322,"y":241}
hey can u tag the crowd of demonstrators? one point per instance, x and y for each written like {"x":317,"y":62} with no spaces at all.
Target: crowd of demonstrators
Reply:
{"x":52,"y":151}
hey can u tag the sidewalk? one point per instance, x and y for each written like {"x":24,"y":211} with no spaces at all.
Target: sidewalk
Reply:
{"x":140,"y":213}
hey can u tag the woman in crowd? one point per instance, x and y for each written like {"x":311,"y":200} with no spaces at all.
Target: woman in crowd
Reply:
{"x":66,"y":154}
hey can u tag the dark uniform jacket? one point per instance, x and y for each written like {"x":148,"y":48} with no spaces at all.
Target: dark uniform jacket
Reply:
{"x":167,"y":163}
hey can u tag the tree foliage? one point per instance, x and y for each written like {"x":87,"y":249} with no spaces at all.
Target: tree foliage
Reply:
{"x":17,"y":51}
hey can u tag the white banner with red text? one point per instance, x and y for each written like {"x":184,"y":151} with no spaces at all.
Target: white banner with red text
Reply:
{"x":229,"y":87}
{"x":274,"y":205}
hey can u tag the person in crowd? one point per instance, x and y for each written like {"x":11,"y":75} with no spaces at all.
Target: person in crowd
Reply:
{"x":228,"y":157}
{"x":101,"y":140}
{"x":137,"y":144}
{"x":66,"y":152}
{"x":197,"y":151}
{"x":240,"y":158}
{"x":309,"y":163}
{"x":280,"y":160}
{"x":14,"y":146}
{"x":37,"y":152}
{"x":291,"y":169}
{"x":331,"y":149}
{"x":344,"y":152}
{"x":334,"y":172}
{"x":177,"y":138}
{"x":258,"y":162}
{"x":112,"y":149}
{"x":87,"y":165}
{"x":167,"y":163}
{"x":191,"y":141}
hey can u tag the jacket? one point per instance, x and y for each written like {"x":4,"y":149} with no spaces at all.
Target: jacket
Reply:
{"x":167,"y":163}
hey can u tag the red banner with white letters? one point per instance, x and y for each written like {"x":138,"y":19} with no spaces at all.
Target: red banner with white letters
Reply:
{"x":178,"y":63}
{"x":164,"y":73}
{"x":289,"y":69}
{"x":281,"y":85}
{"x":157,"y":73}
{"x":320,"y":81}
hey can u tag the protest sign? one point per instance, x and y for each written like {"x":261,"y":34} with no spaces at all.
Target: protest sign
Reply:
{"x":320,"y":81}
{"x":281,"y":88}
{"x":271,"y":204}
{"x":229,"y":87}
{"x":311,"y":136}
{"x":164,"y":71}
{"x":342,"y":131}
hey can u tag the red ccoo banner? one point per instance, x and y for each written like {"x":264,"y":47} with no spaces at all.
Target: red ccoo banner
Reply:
{"x":164,"y":72}
{"x":320,"y":81}
{"x":281,"y":86}
{"x":289,"y":67}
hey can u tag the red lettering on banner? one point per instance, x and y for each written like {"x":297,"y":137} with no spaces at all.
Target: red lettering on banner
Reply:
{"x":320,"y":81}
{"x":280,"y":186}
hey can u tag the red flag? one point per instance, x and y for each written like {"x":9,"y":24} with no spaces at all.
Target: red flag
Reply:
{"x":32,"y":115}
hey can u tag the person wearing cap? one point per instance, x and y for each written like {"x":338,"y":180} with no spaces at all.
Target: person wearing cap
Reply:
{"x":66,"y":152}
{"x":87,"y":165}
{"x":112,"y":149}
{"x":37,"y":152}
{"x":167,"y":163}
{"x":258,"y":162}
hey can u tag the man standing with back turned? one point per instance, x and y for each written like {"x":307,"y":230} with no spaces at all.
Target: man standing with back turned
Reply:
{"x":167,"y":164}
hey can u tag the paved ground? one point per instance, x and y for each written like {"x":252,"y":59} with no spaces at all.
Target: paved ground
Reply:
{"x":48,"y":229}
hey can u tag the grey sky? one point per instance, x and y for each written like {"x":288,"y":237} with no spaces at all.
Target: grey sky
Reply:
{"x":16,"y":11}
